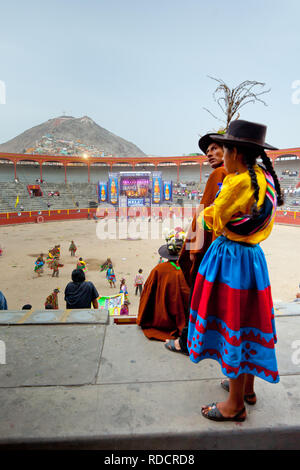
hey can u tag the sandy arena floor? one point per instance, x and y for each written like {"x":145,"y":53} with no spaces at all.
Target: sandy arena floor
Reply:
{"x":23,"y":243}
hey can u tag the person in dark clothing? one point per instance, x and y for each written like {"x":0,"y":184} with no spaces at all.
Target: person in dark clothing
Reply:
{"x":3,"y":302}
{"x":80,"y":293}
{"x":190,"y":256}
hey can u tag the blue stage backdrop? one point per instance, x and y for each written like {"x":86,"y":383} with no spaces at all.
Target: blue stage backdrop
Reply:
{"x":102,"y":191}
{"x":168,"y":191}
{"x":113,"y":188}
{"x":157,"y":188}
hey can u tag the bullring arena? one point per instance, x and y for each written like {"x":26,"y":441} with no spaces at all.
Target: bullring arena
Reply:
{"x":23,"y":244}
{"x":47,"y":220}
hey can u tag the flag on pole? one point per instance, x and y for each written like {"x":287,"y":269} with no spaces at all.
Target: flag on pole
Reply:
{"x":17,"y":200}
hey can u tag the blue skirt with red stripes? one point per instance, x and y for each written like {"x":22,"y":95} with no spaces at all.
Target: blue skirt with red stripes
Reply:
{"x":232,"y":315}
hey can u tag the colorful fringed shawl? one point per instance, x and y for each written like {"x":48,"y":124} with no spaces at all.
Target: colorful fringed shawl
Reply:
{"x":245,"y":224}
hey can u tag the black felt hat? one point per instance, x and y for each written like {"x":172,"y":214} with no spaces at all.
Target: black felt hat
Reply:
{"x":245,"y":133}
{"x":206,"y":140}
{"x":171,"y":251}
{"x":165,"y":253}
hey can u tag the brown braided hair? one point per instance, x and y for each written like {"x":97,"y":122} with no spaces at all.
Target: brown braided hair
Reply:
{"x":250,"y":157}
{"x":250,"y":162}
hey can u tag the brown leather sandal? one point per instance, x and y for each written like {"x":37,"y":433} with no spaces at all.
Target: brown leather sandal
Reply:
{"x":170,"y":345}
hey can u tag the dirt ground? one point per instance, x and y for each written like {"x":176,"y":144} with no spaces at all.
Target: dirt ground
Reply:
{"x":136,"y":249}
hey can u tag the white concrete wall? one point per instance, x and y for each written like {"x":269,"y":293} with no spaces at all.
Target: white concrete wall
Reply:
{"x":189,"y":173}
{"x":117,"y":168}
{"x":77,"y":174}
{"x":99,"y":173}
{"x":7,"y":172}
{"x":291,"y":165}
{"x":53,"y":174}
{"x":168,"y":172}
{"x":28,"y":173}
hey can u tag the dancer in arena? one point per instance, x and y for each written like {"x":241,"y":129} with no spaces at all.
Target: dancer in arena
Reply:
{"x":72,"y":248}
{"x":197,"y":242}
{"x":110,"y":276}
{"x":55,"y":265}
{"x":124,"y":308}
{"x":39,"y":265}
{"x":49,"y":259}
{"x":165,"y":295}
{"x":124,"y":290}
{"x":55,"y":252}
{"x":138,"y":282}
{"x":232,"y":316}
{"x":104,"y":266}
{"x":52,"y":300}
{"x":81,"y":264}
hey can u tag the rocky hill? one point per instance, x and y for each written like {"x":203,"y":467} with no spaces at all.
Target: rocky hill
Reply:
{"x":66,"y":135}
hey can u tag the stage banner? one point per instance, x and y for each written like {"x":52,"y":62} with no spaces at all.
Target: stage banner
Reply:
{"x":113,"y":189}
{"x":112,"y":303}
{"x":167,"y":190}
{"x":156,"y":188}
{"x":136,"y":202}
{"x":102,"y":191}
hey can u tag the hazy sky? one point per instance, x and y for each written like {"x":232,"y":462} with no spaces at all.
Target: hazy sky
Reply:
{"x":139,"y":68}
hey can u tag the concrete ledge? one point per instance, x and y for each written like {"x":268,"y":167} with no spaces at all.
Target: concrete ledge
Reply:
{"x":255,"y":440}
{"x":88,"y":422}
{"x":52,"y":317}
{"x":108,"y":387}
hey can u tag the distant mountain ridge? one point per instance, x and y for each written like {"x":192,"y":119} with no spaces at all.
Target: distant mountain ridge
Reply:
{"x":69,"y":129}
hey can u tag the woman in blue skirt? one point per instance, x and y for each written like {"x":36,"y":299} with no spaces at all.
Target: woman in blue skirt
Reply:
{"x":232,"y":316}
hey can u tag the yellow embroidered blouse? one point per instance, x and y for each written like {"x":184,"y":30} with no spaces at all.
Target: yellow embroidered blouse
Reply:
{"x":236,"y":196}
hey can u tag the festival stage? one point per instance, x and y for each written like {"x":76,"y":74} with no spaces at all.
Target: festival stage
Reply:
{"x":135,"y":189}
